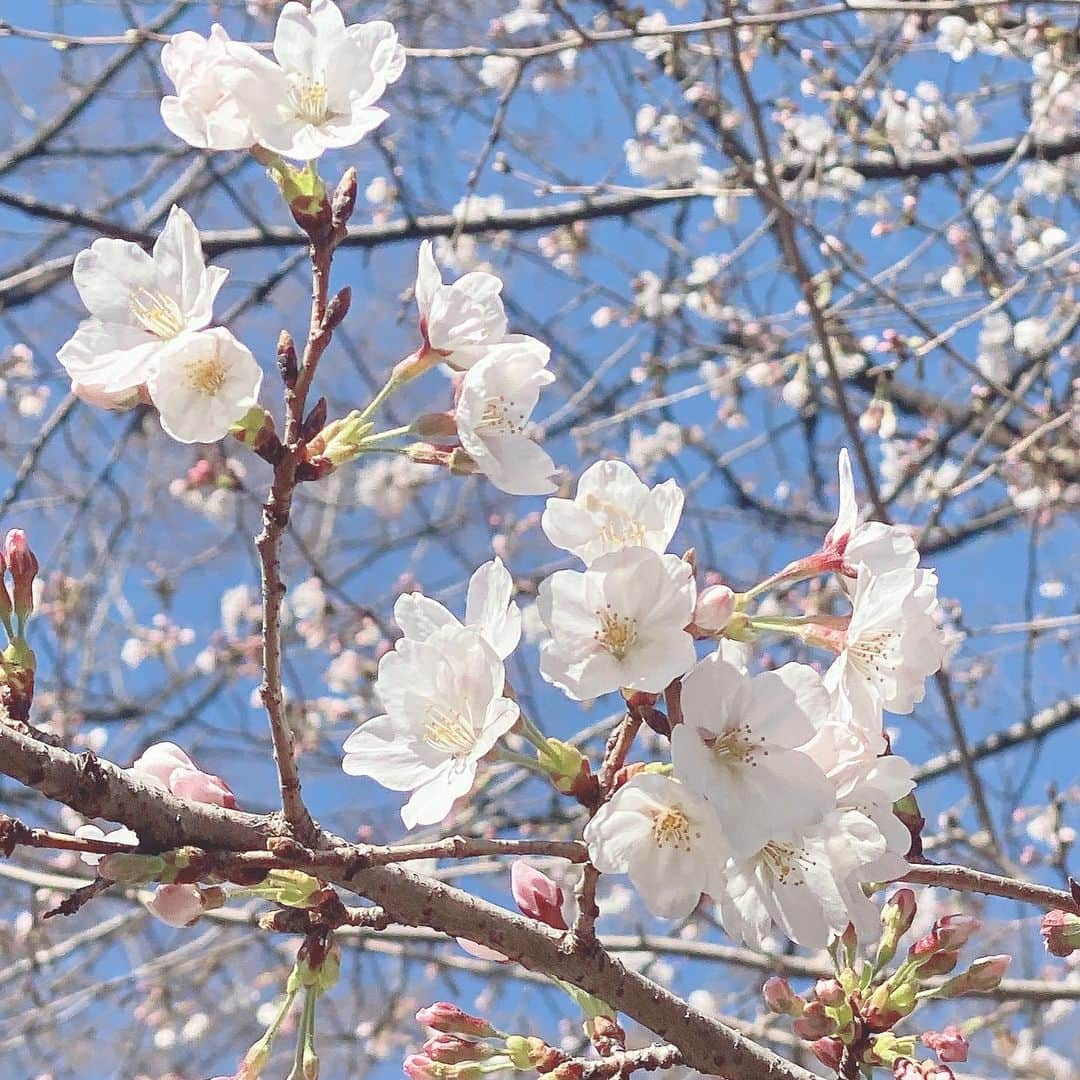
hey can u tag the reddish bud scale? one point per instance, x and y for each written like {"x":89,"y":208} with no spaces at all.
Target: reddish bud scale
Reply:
{"x":830,"y":1052}
{"x":1061,"y":932}
{"x":949,"y":1045}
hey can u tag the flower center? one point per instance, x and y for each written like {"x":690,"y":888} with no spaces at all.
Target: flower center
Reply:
{"x":619,"y":527}
{"x":206,"y":375}
{"x":671,"y":827}
{"x":877,"y":655}
{"x":736,"y":746}
{"x":786,"y":861}
{"x":617,"y":633}
{"x":308,"y":98}
{"x":155,"y":312}
{"x":500,"y":415}
{"x":448,"y":731}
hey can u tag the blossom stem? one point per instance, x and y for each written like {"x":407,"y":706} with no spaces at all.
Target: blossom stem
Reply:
{"x":391,"y":433}
{"x":519,"y":759}
{"x":373,"y":406}
{"x":532,"y":732}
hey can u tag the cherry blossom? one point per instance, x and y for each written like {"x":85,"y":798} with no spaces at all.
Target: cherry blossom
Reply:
{"x":806,"y":884}
{"x":873,"y":544}
{"x":664,"y":837}
{"x":146,"y":335}
{"x":611,"y":510}
{"x":202,"y":384}
{"x":890,"y":647}
{"x":204,"y":112}
{"x":489,"y":609}
{"x":618,"y":624}
{"x":496,"y":399}
{"x":137,"y":303}
{"x":737,"y":749}
{"x":320,"y":95}
{"x":461,"y":320}
{"x":177,"y":905}
{"x":444,"y":712}
{"x":166,"y":765}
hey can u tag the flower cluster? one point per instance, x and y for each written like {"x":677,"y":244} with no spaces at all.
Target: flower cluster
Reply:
{"x":321,"y":94}
{"x":778,"y":802}
{"x":147,"y":338}
{"x":852,"y":1017}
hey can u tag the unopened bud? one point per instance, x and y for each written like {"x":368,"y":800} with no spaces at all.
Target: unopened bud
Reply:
{"x":177,"y":905}
{"x":714,"y":609}
{"x":939,"y":963}
{"x":563,"y":763}
{"x":256,"y":429}
{"x":536,"y":895}
{"x":896,"y":918}
{"x":829,"y":992}
{"x":781,"y":998}
{"x":128,"y":869}
{"x":814,"y":1022}
{"x":315,"y":420}
{"x":23,"y":564}
{"x":949,"y":1045}
{"x":449,"y":1019}
{"x":529,"y":1052}
{"x":830,"y":1052}
{"x":984,"y":974}
{"x":436,"y":426}
{"x":343,"y":201}
{"x":452,"y":1049}
{"x":953,"y":931}
{"x":1061,"y":932}
{"x":889,"y":1004}
{"x":337,"y":309}
{"x":909,"y":1069}
{"x":287,"y":362}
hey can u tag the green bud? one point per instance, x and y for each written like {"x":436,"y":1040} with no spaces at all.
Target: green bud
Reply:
{"x":562,"y":762}
{"x":127,"y":869}
{"x":341,"y":440}
{"x":887,"y":1047}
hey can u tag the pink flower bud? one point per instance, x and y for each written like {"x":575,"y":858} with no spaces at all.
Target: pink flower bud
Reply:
{"x":953,"y":931}
{"x":177,"y":905}
{"x":899,"y":912}
{"x":906,"y":1069}
{"x":781,"y":998}
{"x":197,"y":786}
{"x":450,"y":1020}
{"x":987,"y":972}
{"x":23,"y":564}
{"x":829,"y":992}
{"x":157,"y":762}
{"x":1061,"y":932}
{"x":814,"y":1022}
{"x":452,"y":1049}
{"x":715,"y":606}
{"x":421,"y":1067}
{"x":939,"y":963}
{"x":536,"y":895}
{"x":949,"y":1045}
{"x":830,"y":1052}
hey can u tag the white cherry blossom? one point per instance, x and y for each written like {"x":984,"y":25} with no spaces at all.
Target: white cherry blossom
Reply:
{"x":462,"y":320}
{"x":495,"y":401}
{"x":444,"y":712}
{"x":805,"y":884}
{"x":867,"y":779}
{"x":121,"y":835}
{"x":618,"y":624}
{"x":613,"y":509}
{"x":204,"y":112}
{"x":202,"y":384}
{"x":137,"y":302}
{"x":664,"y":837}
{"x":737,"y":747}
{"x":890,"y":647}
{"x":489,"y":609}
{"x":322,"y":92}
{"x":873,"y":544}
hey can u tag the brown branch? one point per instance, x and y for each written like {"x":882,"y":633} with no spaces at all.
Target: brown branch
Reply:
{"x":964,"y":879}
{"x":99,"y":789}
